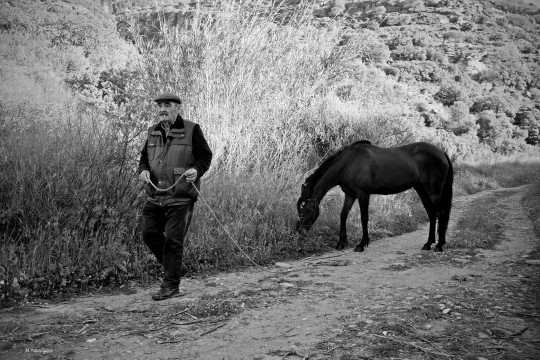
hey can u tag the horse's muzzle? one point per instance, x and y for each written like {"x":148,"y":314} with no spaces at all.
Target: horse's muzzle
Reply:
{"x":301,"y":227}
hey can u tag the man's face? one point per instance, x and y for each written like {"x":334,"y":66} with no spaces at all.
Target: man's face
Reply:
{"x":167,"y":111}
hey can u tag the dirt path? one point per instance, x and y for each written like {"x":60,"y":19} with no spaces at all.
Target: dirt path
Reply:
{"x":392,"y":301}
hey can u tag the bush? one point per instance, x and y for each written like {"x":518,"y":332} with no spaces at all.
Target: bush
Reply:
{"x":366,"y":46}
{"x":498,"y":102}
{"x":487,"y":75}
{"x":461,"y":121}
{"x":408,"y":53}
{"x":449,"y":93}
{"x":496,"y":130}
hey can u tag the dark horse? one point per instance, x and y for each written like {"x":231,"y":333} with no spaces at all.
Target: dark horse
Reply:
{"x":362,"y":169}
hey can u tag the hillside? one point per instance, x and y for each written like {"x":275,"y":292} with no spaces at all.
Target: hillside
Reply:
{"x":473,"y":66}
{"x":465,"y":57}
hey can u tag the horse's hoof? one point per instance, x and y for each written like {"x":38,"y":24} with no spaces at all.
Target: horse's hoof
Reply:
{"x":437,"y":249}
{"x":426,"y":247}
{"x":359,"y":249}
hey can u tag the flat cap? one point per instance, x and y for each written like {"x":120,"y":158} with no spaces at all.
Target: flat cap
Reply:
{"x":168,"y":96}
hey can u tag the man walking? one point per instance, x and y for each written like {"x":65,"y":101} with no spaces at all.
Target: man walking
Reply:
{"x":173,"y":158}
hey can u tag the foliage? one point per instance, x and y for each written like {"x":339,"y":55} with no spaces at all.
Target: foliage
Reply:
{"x":367,"y":47}
{"x":450,"y":93}
{"x":460,"y":121}
{"x":497,"y":131}
{"x":498,"y":102}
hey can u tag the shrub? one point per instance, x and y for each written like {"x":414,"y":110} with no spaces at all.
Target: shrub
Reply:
{"x":496,"y":130}
{"x":497,"y":101}
{"x":461,"y":121}
{"x":409,"y":53}
{"x":449,"y":93}
{"x":487,"y":75}
{"x":366,"y":46}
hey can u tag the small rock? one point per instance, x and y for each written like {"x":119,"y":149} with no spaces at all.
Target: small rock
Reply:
{"x":283,"y":265}
{"x":368,"y":321}
{"x":91,"y":340}
{"x":459,"y":278}
{"x":483,"y":336}
{"x":533,"y":262}
{"x":286,"y":285}
{"x":438,"y":296}
{"x":446,"y":311}
{"x":427,"y":326}
{"x":482,"y":358}
{"x":267,"y":286}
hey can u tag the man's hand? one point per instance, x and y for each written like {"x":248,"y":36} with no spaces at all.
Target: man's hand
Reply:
{"x":144,"y":176}
{"x":191,"y":175}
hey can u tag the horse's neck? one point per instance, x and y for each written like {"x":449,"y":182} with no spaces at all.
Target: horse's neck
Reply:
{"x":323,"y":184}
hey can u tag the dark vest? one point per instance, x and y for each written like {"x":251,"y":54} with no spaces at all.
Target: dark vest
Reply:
{"x":168,"y":161}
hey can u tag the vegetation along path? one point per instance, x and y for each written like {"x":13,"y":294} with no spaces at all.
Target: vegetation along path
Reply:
{"x":392,"y":301}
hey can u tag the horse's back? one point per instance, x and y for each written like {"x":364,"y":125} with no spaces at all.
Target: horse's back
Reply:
{"x":391,"y":170}
{"x":426,"y":154}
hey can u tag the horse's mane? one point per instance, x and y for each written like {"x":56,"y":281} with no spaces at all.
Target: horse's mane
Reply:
{"x":327,"y":162}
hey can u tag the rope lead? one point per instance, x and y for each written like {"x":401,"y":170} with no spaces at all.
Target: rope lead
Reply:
{"x":213,"y":213}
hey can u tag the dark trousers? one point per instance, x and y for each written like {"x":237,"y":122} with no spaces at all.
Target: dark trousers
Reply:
{"x":163,"y":231}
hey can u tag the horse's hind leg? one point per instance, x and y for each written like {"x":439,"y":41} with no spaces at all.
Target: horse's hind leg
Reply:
{"x":432,"y":215}
{"x":444,"y":217}
{"x":347,"y":204}
{"x":363,"y":200}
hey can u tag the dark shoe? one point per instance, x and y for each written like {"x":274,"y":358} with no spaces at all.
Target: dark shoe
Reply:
{"x":165,"y":293}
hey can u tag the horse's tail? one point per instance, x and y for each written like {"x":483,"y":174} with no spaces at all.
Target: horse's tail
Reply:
{"x":448,"y":187}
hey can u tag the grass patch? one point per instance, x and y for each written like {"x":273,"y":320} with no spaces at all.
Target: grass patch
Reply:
{"x":480,"y":225}
{"x":471,"y":179}
{"x":531,"y":202}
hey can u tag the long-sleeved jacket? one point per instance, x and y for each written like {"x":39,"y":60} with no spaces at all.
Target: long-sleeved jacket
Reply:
{"x":167,"y":157}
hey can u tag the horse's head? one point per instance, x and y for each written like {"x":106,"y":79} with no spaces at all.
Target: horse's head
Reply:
{"x":308,"y":211}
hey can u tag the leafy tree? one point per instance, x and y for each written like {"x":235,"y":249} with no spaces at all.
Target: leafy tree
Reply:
{"x":497,"y":101}
{"x":493,"y":129}
{"x":460,"y":121}
{"x":528,"y":118}
{"x":450,"y":93}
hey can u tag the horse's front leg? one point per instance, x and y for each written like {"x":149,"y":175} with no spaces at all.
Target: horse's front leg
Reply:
{"x":347,"y":205}
{"x":363,"y":200}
